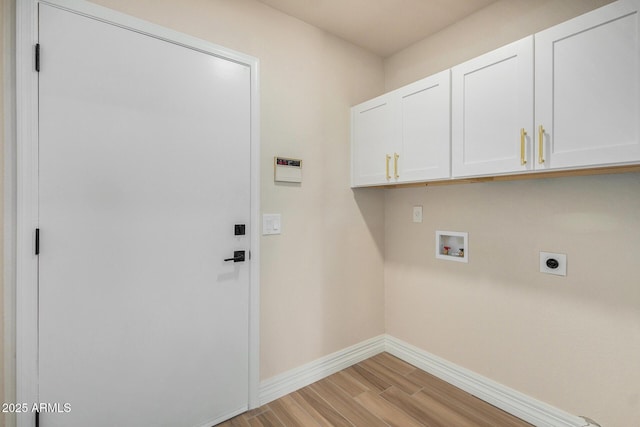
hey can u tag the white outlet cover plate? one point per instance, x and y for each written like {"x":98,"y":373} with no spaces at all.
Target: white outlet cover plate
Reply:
{"x":417,"y":214}
{"x":561,"y":270}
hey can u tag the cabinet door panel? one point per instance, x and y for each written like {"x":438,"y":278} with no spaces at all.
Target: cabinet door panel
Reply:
{"x":492,"y":99}
{"x":425,"y":128}
{"x":372,"y":141}
{"x":587,"y":88}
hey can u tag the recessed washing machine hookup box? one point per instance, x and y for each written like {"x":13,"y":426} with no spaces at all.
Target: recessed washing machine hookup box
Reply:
{"x":452,"y":246}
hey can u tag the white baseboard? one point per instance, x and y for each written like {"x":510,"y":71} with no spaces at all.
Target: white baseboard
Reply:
{"x":520,"y":405}
{"x":300,"y":377}
{"x":216,"y":421}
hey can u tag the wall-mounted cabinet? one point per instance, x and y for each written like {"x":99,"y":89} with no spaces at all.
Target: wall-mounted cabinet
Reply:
{"x":587,"y":80}
{"x":403,"y":136}
{"x":587,"y":98}
{"x":372,"y":141}
{"x":582,"y":76}
{"x":424,"y":129}
{"x":492,"y":119}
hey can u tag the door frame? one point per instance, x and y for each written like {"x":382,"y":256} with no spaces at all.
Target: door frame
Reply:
{"x":25,"y":204}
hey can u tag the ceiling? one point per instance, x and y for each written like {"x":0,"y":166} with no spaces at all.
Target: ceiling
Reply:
{"x":381,"y":26}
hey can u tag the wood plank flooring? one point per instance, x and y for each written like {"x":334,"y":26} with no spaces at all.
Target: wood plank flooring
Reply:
{"x":382,"y":391}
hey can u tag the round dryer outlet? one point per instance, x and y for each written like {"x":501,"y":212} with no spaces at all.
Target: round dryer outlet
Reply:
{"x":553,"y":263}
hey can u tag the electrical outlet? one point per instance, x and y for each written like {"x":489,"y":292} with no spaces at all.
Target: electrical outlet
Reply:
{"x":552,"y":263}
{"x":417,"y":214}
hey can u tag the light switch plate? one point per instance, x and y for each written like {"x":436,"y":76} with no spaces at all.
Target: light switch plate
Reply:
{"x":271,"y":224}
{"x":417,"y":214}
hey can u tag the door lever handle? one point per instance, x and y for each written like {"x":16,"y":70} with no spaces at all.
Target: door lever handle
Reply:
{"x":238,"y":256}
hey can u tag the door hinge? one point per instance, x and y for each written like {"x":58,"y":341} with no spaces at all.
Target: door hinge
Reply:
{"x":38,"y":57}
{"x":37,"y":241}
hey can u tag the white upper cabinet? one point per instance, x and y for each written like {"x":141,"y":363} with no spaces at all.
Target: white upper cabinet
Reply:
{"x":403,"y":136}
{"x":565,"y":98}
{"x":587,"y":79}
{"x":372,"y":139}
{"x":424,"y":129}
{"x":492,"y":112}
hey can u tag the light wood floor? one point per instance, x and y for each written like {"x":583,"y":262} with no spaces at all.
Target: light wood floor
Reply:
{"x":380,"y":391}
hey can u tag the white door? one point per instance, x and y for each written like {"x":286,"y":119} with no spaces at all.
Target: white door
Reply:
{"x":144,"y":168}
{"x":588,"y":89}
{"x":424,"y":110}
{"x":372,"y":145}
{"x":492,"y":112}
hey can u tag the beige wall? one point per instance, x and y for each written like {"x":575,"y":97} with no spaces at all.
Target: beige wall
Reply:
{"x":573,"y":342}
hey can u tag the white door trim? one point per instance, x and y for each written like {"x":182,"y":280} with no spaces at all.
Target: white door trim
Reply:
{"x":26,"y":219}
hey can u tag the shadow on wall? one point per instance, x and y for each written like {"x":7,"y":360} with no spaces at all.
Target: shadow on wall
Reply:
{"x":370,"y":202}
{"x":287,"y":184}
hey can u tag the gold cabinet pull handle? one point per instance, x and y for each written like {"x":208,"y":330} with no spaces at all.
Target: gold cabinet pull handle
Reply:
{"x":388,"y":157}
{"x":541,"y":145}
{"x":523,"y":160}
{"x":395,"y":165}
